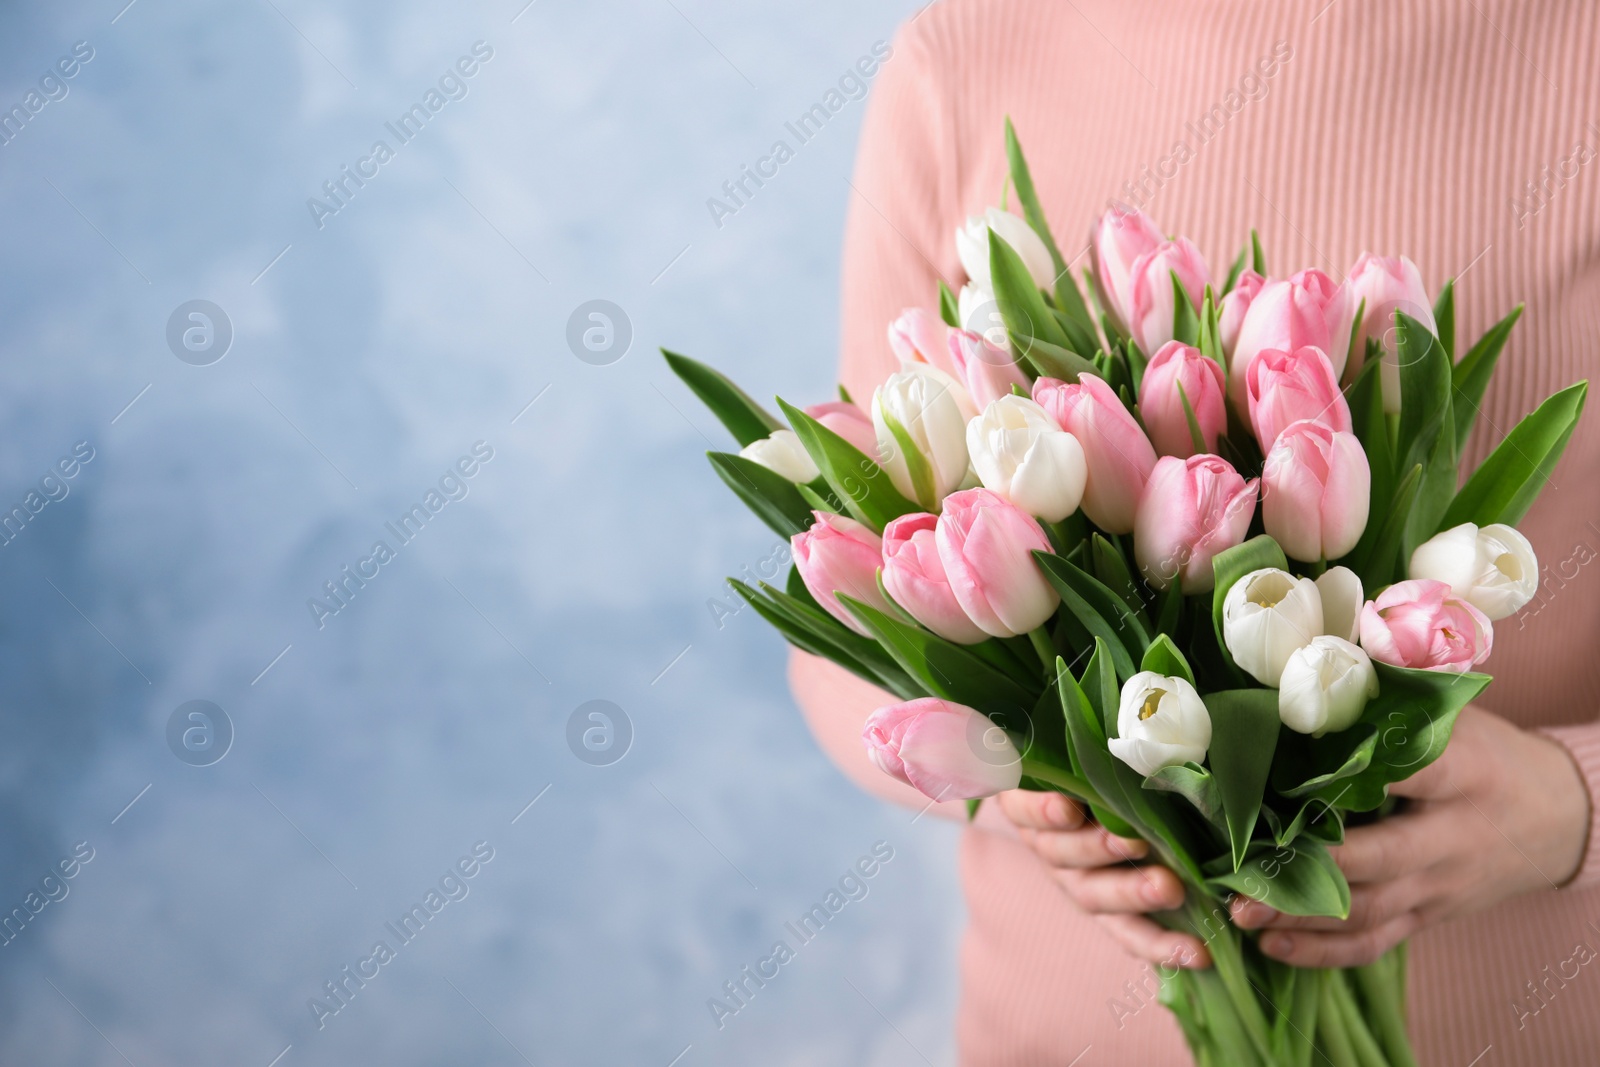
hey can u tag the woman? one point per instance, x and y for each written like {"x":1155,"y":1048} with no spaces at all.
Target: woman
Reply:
{"x":1453,"y":133}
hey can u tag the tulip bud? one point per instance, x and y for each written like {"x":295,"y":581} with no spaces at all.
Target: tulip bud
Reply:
{"x":972,"y":245}
{"x":979,"y":312}
{"x":1161,"y":722}
{"x":1316,"y":492}
{"x":1285,"y":316}
{"x":850,"y":423}
{"x":1151,"y":315}
{"x":1422,"y":624}
{"x":782,"y":453}
{"x":1387,"y":284}
{"x":1190,"y":510}
{"x":1266,"y":616}
{"x":1340,"y":589}
{"x":987,"y":546}
{"x":1020,"y":453}
{"x":1120,"y":237}
{"x":1493,"y":568}
{"x":840,"y":555}
{"x":914,"y":576}
{"x":1285,"y":387}
{"x":1325,"y":685}
{"x":1231,"y":311}
{"x":947,"y":750}
{"x":1118,"y":454}
{"x":918,"y":336}
{"x":1161,"y":405}
{"x":989,"y":372}
{"x":931,"y":409}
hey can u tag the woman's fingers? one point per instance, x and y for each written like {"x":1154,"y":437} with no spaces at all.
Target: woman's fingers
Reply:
{"x":1089,"y":847}
{"x":1126,"y":890}
{"x":1308,"y":948}
{"x":1370,"y":906}
{"x":1031,"y":810}
{"x":1396,"y":847}
{"x":1147,"y":941}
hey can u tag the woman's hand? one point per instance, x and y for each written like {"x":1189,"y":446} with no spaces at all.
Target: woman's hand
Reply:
{"x":1094,"y":869}
{"x":1503,"y":812}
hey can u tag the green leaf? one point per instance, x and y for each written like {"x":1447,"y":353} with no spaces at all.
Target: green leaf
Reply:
{"x":1297,"y":879}
{"x":1244,"y":736}
{"x":774,"y":498}
{"x":1444,"y":314}
{"x":1100,"y":610}
{"x":1170,"y":608}
{"x":829,"y":645}
{"x":1164,"y":658}
{"x":862,"y":485}
{"x":917,"y":465}
{"x":1099,"y":687}
{"x":1021,"y":304}
{"x":1236,"y":270}
{"x":1471,"y":376}
{"x":1365,"y":397}
{"x":1210,"y":343}
{"x":1232,"y":564}
{"x":1507,"y":483}
{"x":1377,"y":568}
{"x":947,"y":670}
{"x":1185,"y":319}
{"x":804,"y":611}
{"x":1196,"y":785}
{"x":1435,"y":490}
{"x":1068,"y":299}
{"x":1258,"y":259}
{"x":1424,"y":392}
{"x":1050,"y":361}
{"x":1111,"y":568}
{"x":949,"y":307}
{"x":747,"y":420}
{"x":1313,"y":764}
{"x":1196,"y":438}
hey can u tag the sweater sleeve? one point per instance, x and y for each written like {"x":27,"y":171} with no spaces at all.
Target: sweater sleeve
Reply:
{"x":1582,"y":742}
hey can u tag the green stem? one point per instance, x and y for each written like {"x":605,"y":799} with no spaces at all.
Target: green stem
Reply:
{"x":1227,"y":958}
{"x":1365,"y":1046}
{"x":1331,"y":1024}
{"x":1063,"y":780}
{"x":1045,"y":648}
{"x":1381,"y":985}
{"x":1222,"y":1017}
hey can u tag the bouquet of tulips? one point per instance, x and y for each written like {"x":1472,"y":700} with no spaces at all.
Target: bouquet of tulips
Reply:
{"x":1195,"y":552}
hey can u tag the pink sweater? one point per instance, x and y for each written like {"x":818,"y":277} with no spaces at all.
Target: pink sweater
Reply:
{"x":1461,"y":134}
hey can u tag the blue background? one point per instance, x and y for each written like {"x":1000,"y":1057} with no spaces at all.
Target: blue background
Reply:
{"x":425,"y":715}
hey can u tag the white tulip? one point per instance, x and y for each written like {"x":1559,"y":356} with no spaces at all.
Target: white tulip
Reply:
{"x":1161,"y":722}
{"x":932,"y":409}
{"x":1493,"y":568}
{"x":1266,"y":616}
{"x":972,"y":245}
{"x":1325,"y":685}
{"x":1020,"y":452}
{"x":977,"y":310}
{"x":1340,"y":589}
{"x":782,"y":453}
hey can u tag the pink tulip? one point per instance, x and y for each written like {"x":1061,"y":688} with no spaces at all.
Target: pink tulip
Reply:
{"x":1422,"y":624}
{"x":918,"y":336}
{"x":1161,"y":405}
{"x":1286,"y":316}
{"x":1118,"y":453}
{"x":1387,"y":284}
{"x":989,"y":372}
{"x":1150,"y":316}
{"x":1314,"y":491}
{"x":840,"y":555}
{"x":1120,"y":237}
{"x":1190,"y":510}
{"x":850,"y":423}
{"x":986,"y":546}
{"x":1285,"y":387}
{"x":947,"y":750}
{"x":914,"y":576}
{"x":1231,"y":312}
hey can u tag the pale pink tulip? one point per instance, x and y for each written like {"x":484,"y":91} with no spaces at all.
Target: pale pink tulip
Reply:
{"x":914,"y":576}
{"x":1150,"y":315}
{"x":1190,"y":510}
{"x":1285,"y":387}
{"x":1315,"y":489}
{"x":989,"y":372}
{"x":947,"y":750}
{"x":840,"y":555}
{"x":850,"y":423}
{"x":919,"y":336}
{"x":1387,"y":284}
{"x":1422,"y":624}
{"x":1231,"y":312}
{"x":987,"y":546}
{"x":1118,"y":453}
{"x":1120,"y":237}
{"x":1286,"y":316}
{"x":1161,"y":405}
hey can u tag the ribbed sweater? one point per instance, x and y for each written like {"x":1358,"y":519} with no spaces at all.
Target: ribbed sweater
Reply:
{"x":1461,"y":134}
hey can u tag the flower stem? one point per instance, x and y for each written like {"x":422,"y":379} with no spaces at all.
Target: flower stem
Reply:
{"x":1382,"y":985}
{"x":1065,"y":781}
{"x":1045,"y":648}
